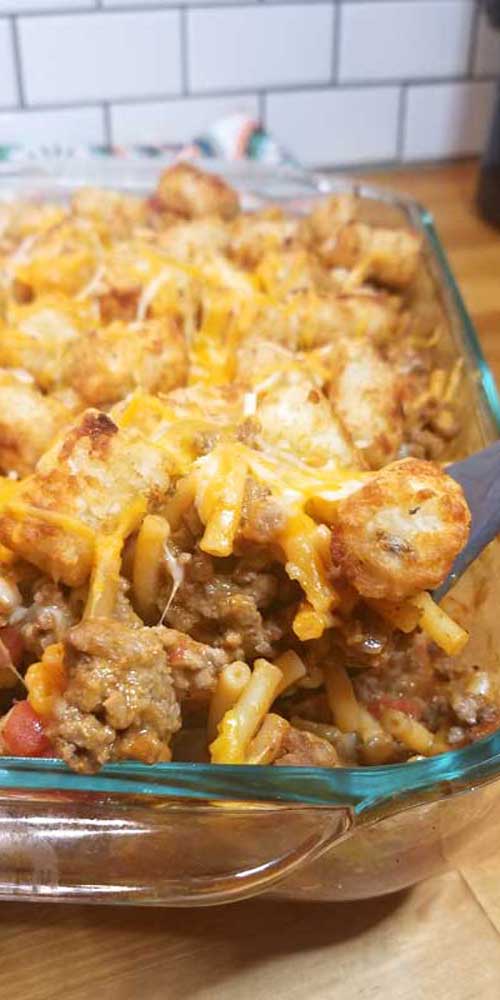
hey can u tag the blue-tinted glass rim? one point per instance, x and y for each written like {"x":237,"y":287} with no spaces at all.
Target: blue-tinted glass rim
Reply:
{"x":361,"y":788}
{"x":487,"y":384}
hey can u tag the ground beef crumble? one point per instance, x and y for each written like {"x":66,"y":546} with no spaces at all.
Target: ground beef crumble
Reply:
{"x":233,"y":605}
{"x":47,"y":619}
{"x":303,"y":749}
{"x":194,"y":666}
{"x":120,"y":701}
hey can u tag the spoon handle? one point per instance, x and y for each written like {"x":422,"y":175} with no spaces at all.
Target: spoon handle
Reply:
{"x":479,"y":477}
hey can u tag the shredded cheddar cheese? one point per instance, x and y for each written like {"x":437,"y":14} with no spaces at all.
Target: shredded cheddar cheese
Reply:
{"x":105,"y":577}
{"x":46,"y":680}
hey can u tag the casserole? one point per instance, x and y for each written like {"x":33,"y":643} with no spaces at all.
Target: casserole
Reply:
{"x":154,"y":834}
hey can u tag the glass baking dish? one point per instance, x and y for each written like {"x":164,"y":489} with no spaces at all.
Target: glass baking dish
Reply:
{"x":182,"y":834}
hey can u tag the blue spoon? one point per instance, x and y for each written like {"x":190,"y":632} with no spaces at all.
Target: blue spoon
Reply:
{"x":479,"y":477}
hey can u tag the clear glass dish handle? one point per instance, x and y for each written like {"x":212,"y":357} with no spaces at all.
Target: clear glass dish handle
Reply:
{"x":194,"y":834}
{"x":177,"y":854}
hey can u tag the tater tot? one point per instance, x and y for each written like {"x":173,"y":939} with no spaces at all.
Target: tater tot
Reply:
{"x":254,"y":234}
{"x":389,"y":256}
{"x":106,"y":364}
{"x":29,"y":422}
{"x":81,"y":486}
{"x":400,"y":532}
{"x":365,"y":394}
{"x":186,"y":191}
{"x":296,"y":417}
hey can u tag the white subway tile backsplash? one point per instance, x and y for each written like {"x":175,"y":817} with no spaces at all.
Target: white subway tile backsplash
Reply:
{"x":70,"y":126}
{"x":8,"y":86}
{"x":329,"y":72}
{"x":249,"y":47}
{"x":173,"y":3}
{"x":21,"y":6}
{"x":174,"y":121}
{"x":100,"y":56}
{"x":487,"y":54}
{"x":447,"y":119}
{"x":336,"y":126}
{"x":404,"y":39}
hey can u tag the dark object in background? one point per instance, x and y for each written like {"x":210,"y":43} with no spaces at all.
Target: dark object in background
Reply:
{"x":488,"y":191}
{"x":492,"y":8}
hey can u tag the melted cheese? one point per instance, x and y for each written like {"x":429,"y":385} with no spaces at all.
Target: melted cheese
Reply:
{"x":69,"y":525}
{"x":105,"y":577}
{"x":176,"y":570}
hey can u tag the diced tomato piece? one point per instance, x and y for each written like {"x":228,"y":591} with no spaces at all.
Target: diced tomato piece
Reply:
{"x":13,"y":642}
{"x":23,"y":732}
{"x":410,"y":706}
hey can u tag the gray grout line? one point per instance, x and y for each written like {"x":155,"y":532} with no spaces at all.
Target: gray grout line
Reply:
{"x":96,"y":7}
{"x":183,"y":22}
{"x":367,"y":2}
{"x":108,"y":128}
{"x":268,"y":3}
{"x":90,"y":102}
{"x":115,"y":102}
{"x":52,"y":11}
{"x":401,"y":121}
{"x":261,"y":100}
{"x":29,"y":110}
{"x":321,"y":86}
{"x":245,"y":92}
{"x":337,"y":30}
{"x":473,"y":40}
{"x":415,"y":81}
{"x":17,"y":61}
{"x":281,"y":3}
{"x":193,"y":5}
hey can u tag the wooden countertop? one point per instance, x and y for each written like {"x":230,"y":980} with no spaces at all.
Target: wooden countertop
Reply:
{"x":440,"y":940}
